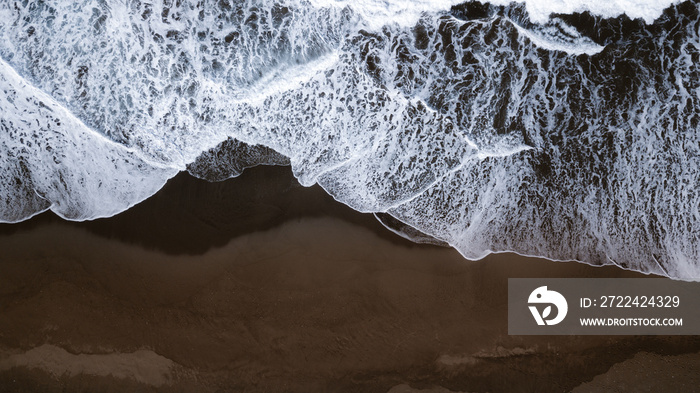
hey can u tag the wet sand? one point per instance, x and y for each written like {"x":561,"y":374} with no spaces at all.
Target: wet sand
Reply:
{"x":260,"y":285}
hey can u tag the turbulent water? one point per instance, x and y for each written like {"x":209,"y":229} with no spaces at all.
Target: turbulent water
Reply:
{"x":490,"y":127}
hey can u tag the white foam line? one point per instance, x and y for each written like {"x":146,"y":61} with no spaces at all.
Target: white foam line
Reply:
{"x":581,"y":49}
{"x":503,"y":153}
{"x":33,"y":90}
{"x":489,"y":252}
{"x":283,"y":79}
{"x":479,"y":156}
{"x":402,"y":234}
{"x":541,"y":10}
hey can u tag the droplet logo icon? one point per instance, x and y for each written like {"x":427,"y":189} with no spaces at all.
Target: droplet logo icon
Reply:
{"x":542,"y":296}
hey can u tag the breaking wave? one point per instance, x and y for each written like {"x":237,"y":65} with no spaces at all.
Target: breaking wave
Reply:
{"x":536,"y":128}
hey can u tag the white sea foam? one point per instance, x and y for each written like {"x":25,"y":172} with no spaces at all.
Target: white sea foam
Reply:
{"x":50,"y":159}
{"x":378,"y":13}
{"x":491,"y":134}
{"x":648,"y":10}
{"x":557,"y":35}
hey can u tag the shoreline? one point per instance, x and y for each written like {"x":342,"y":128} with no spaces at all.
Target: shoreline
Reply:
{"x":190,"y":216}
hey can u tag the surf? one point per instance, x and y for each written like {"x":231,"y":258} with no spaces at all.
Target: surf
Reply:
{"x":567,"y":131}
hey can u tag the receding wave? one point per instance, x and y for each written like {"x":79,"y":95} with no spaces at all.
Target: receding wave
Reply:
{"x":490,"y":127}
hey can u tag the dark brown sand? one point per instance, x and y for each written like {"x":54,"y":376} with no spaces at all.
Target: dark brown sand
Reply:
{"x":260,"y":285}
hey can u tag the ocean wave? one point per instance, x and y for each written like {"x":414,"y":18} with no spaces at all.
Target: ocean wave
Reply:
{"x":51,"y":160}
{"x":519,"y":127}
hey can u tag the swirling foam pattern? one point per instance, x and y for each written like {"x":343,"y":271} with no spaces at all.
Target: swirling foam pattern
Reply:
{"x":488,"y":127}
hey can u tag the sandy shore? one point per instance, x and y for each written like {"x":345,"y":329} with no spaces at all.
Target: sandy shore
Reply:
{"x":258,"y":284}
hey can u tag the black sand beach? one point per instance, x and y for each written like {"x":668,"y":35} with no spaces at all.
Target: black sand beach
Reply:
{"x":257,"y":284}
